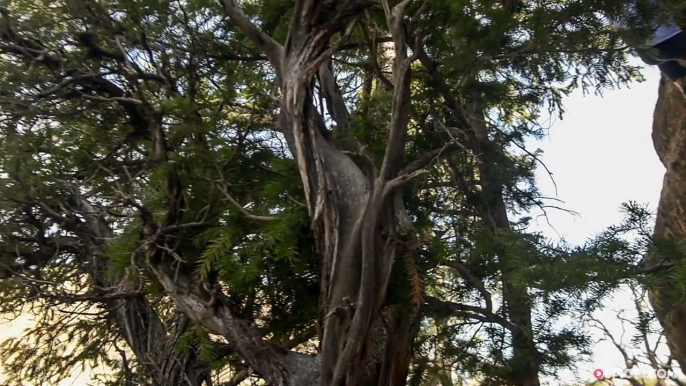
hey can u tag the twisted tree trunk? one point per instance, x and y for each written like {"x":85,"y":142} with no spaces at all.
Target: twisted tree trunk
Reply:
{"x":353,"y":211}
{"x":352,"y":207}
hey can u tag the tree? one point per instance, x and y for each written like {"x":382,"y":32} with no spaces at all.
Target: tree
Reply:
{"x":144,"y":175}
{"x":642,"y":349}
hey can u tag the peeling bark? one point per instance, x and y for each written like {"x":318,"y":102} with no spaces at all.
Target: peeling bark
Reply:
{"x":276,"y":364}
{"x":356,"y":212}
{"x":353,"y":211}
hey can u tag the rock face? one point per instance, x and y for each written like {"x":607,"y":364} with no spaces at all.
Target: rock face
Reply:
{"x":669,"y":138}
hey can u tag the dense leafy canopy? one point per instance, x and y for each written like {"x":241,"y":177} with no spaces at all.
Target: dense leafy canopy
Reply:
{"x":144,"y":162}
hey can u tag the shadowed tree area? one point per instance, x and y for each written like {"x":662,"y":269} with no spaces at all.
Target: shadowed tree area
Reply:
{"x":301,"y":193}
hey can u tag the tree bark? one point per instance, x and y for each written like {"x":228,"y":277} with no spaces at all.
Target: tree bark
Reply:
{"x":358,"y":220}
{"x":138,"y":323}
{"x":136,"y":320}
{"x":352,"y":210}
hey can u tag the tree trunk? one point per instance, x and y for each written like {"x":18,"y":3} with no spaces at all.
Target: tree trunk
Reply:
{"x":136,"y":320}
{"x":360,"y":226}
{"x":669,"y":137}
{"x":491,"y":208}
{"x":526,"y":360}
{"x":138,"y":323}
{"x":353,"y":212}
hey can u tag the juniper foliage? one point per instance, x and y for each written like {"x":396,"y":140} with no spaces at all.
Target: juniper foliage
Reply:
{"x":153,"y":218}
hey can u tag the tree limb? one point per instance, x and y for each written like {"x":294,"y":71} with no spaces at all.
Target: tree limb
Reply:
{"x":273,"y":50}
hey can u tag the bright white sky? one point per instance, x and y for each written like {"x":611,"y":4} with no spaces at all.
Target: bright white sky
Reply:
{"x":601,"y":155}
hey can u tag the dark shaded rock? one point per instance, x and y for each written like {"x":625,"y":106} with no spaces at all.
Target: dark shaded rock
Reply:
{"x":669,"y":138}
